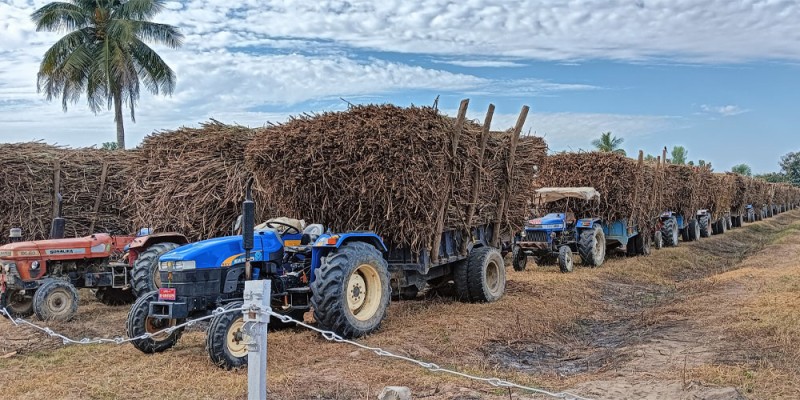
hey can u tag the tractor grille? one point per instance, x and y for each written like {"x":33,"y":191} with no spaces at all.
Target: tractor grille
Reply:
{"x":535,"y":236}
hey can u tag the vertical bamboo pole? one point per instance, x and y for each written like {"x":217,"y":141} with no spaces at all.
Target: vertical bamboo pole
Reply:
{"x":437,"y":236}
{"x":505,"y":195}
{"x":476,"y":180}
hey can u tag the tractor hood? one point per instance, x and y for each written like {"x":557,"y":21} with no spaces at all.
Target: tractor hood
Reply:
{"x":94,"y":246}
{"x":547,"y":222}
{"x":225,"y":251}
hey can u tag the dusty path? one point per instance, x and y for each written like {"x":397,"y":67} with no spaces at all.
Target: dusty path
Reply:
{"x":714,"y":319}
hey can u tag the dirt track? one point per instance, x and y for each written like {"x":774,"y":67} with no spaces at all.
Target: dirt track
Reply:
{"x":714,"y":319}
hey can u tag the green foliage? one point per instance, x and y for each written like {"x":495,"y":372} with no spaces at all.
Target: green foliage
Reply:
{"x":790,"y":166}
{"x":103,"y":54}
{"x":650,"y":157}
{"x":679,"y":155}
{"x":774,"y":177}
{"x":608,"y":143}
{"x":742,"y":169}
{"x":110,"y":146}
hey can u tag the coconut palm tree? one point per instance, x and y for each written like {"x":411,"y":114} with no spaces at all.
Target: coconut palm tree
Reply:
{"x":609,"y":143}
{"x":103,"y":54}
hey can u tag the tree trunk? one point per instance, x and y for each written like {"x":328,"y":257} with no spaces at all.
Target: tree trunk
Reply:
{"x":118,"y":120}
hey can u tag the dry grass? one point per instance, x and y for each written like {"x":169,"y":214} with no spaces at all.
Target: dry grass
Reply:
{"x":589,"y":320}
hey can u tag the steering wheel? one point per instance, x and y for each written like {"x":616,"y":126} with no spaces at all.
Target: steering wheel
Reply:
{"x":290,"y":230}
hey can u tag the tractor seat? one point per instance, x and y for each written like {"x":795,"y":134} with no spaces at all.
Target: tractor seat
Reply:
{"x":311,"y":233}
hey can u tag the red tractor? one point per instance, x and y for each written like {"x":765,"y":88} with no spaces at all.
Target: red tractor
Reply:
{"x":43,"y":276}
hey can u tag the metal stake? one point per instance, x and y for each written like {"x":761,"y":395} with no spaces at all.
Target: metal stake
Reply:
{"x":256,"y":301}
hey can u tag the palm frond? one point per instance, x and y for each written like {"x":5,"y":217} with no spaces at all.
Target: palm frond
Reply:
{"x":59,"y":16}
{"x":138,"y":9}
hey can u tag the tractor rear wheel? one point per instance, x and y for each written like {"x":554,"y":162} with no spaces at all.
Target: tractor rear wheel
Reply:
{"x":115,"y":296}
{"x":705,"y":229}
{"x":17,"y":304}
{"x":592,"y":246}
{"x":351,"y":290}
{"x":146,"y":276}
{"x":669,"y":232}
{"x":486,"y":275}
{"x":518,"y":258}
{"x":225,"y":342}
{"x":55,"y":300}
{"x":140,"y":322}
{"x":565,"y":262}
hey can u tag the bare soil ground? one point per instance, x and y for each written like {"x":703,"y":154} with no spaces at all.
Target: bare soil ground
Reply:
{"x":715,"y":319}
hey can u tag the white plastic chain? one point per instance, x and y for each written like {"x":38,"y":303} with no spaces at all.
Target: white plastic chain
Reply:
{"x":328,"y":335}
{"x":117,"y":339}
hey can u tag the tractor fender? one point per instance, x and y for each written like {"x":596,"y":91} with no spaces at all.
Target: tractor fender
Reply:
{"x":140,"y":243}
{"x":587,"y":223}
{"x":329,"y":242}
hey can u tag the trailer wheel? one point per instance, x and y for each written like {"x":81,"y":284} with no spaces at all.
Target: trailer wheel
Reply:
{"x":592,"y":246}
{"x":669,"y":232}
{"x":225,"y":341}
{"x":351,"y":290}
{"x":55,"y":300}
{"x":518,"y":258}
{"x":17,"y":304}
{"x":140,"y":322}
{"x":486,"y":275}
{"x":565,"y":262}
{"x":115,"y":296}
{"x":146,"y":276}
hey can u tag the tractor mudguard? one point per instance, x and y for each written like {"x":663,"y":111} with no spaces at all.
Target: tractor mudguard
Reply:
{"x":327,"y":242}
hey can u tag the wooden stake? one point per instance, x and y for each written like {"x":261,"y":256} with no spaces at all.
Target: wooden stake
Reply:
{"x":506,"y":194}
{"x":99,"y":198}
{"x":56,"y":187}
{"x":437,"y":237}
{"x":476,"y":180}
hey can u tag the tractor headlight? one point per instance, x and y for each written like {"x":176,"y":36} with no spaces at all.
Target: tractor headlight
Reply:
{"x":523,"y":234}
{"x":176,"y":265}
{"x":7,"y":267}
{"x":35,"y":265}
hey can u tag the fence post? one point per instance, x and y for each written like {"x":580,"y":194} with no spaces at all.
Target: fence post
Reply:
{"x":256,"y":293}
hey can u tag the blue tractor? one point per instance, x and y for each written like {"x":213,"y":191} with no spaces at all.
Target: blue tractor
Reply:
{"x":345,"y":278}
{"x":556,"y":236}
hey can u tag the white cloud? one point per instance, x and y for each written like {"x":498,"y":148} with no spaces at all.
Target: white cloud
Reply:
{"x":483,"y":63}
{"x":573,"y":131}
{"x":725,"y":111}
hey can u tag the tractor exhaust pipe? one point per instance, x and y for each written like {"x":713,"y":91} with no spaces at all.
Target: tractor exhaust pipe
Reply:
{"x":248,"y":225}
{"x":57,"y":227}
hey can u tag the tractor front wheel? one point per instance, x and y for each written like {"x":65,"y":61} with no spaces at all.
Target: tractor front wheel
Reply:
{"x":565,"y":262}
{"x":225,"y":341}
{"x":55,"y":300}
{"x":703,"y":223}
{"x":140,"y":322}
{"x":17,"y":303}
{"x":146,"y":276}
{"x":351,"y":290}
{"x":518,"y":258}
{"x":115,"y":296}
{"x":592,"y":246}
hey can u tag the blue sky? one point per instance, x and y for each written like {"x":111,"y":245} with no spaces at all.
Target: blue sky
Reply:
{"x":718,"y":77}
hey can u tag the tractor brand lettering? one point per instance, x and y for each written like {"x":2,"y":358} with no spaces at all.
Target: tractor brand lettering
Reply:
{"x":6,"y":253}
{"x":53,"y":252}
{"x":239,"y":259}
